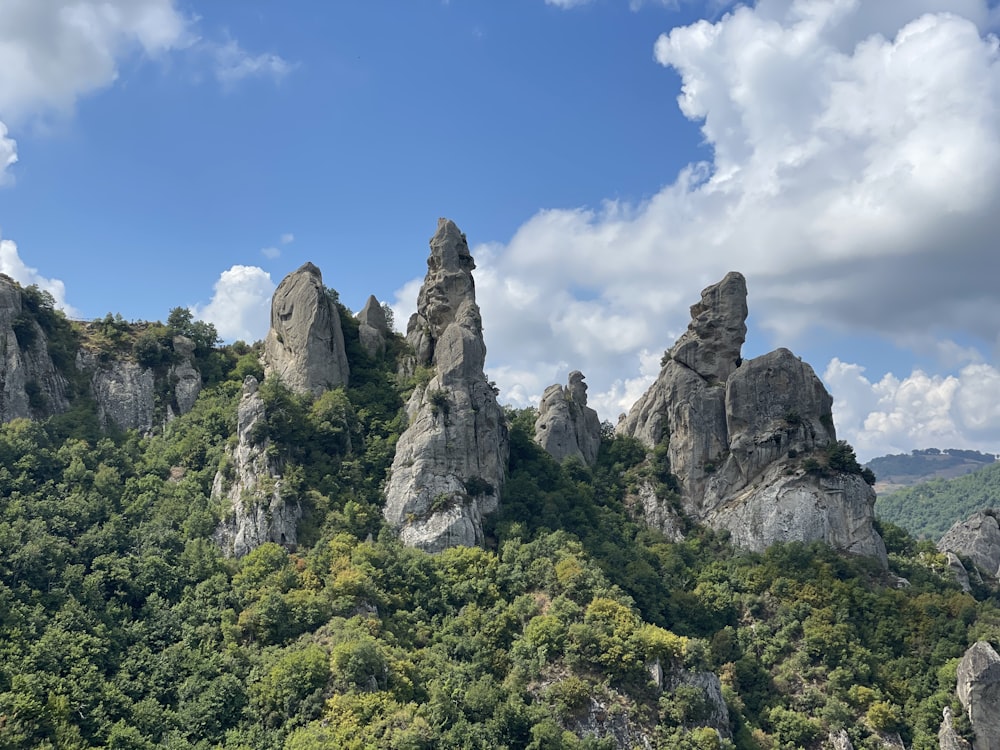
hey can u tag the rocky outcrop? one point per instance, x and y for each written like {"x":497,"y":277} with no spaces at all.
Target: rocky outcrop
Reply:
{"x":450,"y":463}
{"x":183,"y":377}
{"x":305,"y":344}
{"x":977,"y":540}
{"x":566,"y":426}
{"x":739,"y":436}
{"x":839,"y":740}
{"x":979,"y":692}
{"x":948,"y":738}
{"x":373,"y":328}
{"x":30,"y":384}
{"x":249,"y":486}
{"x":958,"y":570}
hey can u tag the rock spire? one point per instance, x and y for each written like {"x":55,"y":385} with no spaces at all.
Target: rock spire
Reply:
{"x":451,"y":461}
{"x":305,"y":344}
{"x":751,"y":443}
{"x":566,"y":426}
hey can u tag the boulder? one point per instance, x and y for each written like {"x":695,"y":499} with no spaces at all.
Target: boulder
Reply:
{"x":976,"y":539}
{"x":373,"y":328}
{"x":249,"y":486}
{"x":451,"y":460}
{"x":736,"y":434}
{"x":979,"y":692}
{"x":566,"y":426}
{"x":305,"y":344}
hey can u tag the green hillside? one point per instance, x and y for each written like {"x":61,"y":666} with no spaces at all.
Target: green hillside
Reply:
{"x":928,"y":510}
{"x":122,"y":625}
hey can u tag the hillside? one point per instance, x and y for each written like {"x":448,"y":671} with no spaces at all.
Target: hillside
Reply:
{"x":929,"y":509}
{"x":241,"y":569}
{"x":905,"y":470}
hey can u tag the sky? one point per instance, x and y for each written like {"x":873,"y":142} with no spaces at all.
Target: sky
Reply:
{"x":607,"y":159}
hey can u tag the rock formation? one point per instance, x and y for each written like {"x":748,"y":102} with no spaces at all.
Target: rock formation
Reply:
{"x":186,"y":380}
{"x":979,"y":692}
{"x":566,"y":426}
{"x":305,"y":344}
{"x":948,"y":738}
{"x":124,"y":391}
{"x":976,"y":539}
{"x":451,"y":461}
{"x":373,"y":328}
{"x":249,"y":486}
{"x":30,"y":384}
{"x":739,"y":436}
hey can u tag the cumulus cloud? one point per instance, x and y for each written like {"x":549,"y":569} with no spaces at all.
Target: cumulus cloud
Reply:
{"x":12,"y":265}
{"x":240,"y":308}
{"x":921,"y":410}
{"x":854,"y":171}
{"x":234,"y":64}
{"x":54,"y":51}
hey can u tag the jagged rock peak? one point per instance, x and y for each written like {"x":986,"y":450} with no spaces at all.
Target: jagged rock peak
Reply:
{"x":977,"y":539}
{"x":249,"y":484}
{"x":712,"y":343}
{"x":566,"y":426}
{"x":373,"y":328}
{"x":305,"y":344}
{"x":738,"y":435}
{"x":450,"y":463}
{"x":447,"y":296}
{"x":979,"y":692}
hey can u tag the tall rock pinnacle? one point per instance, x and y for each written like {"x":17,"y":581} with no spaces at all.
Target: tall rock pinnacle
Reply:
{"x":451,"y":461}
{"x":305,"y":344}
{"x":566,"y":426}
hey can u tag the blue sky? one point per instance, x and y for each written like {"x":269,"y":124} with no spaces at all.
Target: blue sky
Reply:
{"x":607,"y":159}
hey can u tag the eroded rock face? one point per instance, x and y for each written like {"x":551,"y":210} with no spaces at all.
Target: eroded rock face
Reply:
{"x":186,"y":380}
{"x":30,"y":384}
{"x":976,"y":539}
{"x":373,"y":328}
{"x":566,"y":426}
{"x":305,"y":344}
{"x":124,"y":391}
{"x":450,"y":463}
{"x":251,"y":488}
{"x":948,"y":738}
{"x":736,"y":434}
{"x":979,"y":692}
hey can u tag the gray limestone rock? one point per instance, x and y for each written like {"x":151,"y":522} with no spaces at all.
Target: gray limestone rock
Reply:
{"x":30,"y":384}
{"x":948,"y":738}
{"x":249,"y":486}
{"x":373,"y":328}
{"x":958,"y":570}
{"x":839,"y":740}
{"x":976,"y":539}
{"x":125,"y":391}
{"x":305,"y":344}
{"x":717,"y":713}
{"x":450,"y":463}
{"x":735,"y":433}
{"x":566,"y":426}
{"x":183,"y":377}
{"x":979,"y":692}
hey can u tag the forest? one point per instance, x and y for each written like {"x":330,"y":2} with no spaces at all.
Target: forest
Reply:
{"x":123,"y":626}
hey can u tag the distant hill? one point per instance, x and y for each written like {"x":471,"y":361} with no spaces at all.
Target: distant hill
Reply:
{"x":930,"y":508}
{"x":905,"y":470}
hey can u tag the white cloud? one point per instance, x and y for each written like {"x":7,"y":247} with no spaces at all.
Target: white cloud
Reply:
{"x":12,"y":265}
{"x":234,"y":64}
{"x":564,"y":4}
{"x":53,"y":51}
{"x":271,"y":252}
{"x":894,"y":415}
{"x":8,"y":155}
{"x":240,"y":309}
{"x":854,"y":173}
{"x":287,"y":238}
